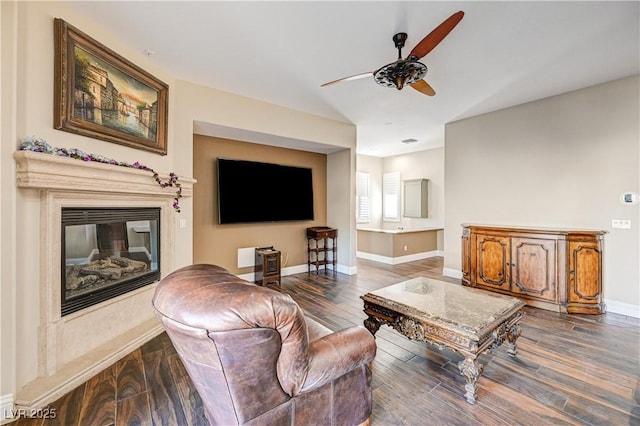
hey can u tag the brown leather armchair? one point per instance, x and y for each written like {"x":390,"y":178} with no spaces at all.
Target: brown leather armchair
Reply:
{"x":254,"y":357}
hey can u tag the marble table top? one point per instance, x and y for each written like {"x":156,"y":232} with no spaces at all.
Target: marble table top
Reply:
{"x":447,"y":304}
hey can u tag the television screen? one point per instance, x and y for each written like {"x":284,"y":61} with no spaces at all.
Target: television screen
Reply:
{"x":250,"y":191}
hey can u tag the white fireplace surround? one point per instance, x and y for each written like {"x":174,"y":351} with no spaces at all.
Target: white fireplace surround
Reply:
{"x":73,"y":348}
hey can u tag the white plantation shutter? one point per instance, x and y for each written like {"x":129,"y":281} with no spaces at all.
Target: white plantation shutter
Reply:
{"x":362,"y":197}
{"x":391,"y":197}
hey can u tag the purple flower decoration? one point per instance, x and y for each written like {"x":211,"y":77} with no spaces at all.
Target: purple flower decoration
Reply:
{"x":32,"y":143}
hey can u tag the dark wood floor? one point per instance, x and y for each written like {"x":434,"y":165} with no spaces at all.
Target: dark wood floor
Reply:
{"x":570,"y":369}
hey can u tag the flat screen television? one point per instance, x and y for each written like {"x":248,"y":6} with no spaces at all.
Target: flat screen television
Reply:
{"x":250,"y":191}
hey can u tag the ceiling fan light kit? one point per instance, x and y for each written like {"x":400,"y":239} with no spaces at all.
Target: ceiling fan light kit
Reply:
{"x":400,"y":73}
{"x":410,"y":71}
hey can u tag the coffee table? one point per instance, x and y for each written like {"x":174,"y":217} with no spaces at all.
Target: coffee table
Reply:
{"x":447,"y":315}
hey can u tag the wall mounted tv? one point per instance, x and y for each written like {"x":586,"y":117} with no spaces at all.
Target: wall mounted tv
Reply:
{"x":250,"y":191}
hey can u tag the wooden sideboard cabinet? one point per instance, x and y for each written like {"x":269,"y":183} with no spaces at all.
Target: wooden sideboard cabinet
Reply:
{"x":554,"y":269}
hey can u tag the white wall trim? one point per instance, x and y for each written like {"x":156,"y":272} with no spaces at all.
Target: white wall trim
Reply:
{"x":291,"y":270}
{"x":613,"y":306}
{"x":251,"y":277}
{"x":400,"y":259}
{"x":299,"y":269}
{"x":6,"y":406}
{"x":453,"y":273}
{"x":349,"y":270}
{"x":622,"y":308}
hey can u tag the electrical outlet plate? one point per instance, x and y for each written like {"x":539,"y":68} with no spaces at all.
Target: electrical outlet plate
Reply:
{"x":246,"y":257}
{"x":621,"y":224}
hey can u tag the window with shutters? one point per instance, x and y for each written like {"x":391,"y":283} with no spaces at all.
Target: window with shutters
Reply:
{"x":391,"y":197}
{"x":362,"y":197}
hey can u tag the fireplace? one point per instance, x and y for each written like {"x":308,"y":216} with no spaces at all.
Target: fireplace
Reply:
{"x":116,"y":212}
{"x":107,"y":252}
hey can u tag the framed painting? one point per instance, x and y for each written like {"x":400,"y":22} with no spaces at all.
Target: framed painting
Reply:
{"x":100,"y":94}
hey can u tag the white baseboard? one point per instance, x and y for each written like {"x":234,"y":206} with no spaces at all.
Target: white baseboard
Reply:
{"x":623,"y":308}
{"x":6,"y":407}
{"x":400,"y":259}
{"x":298,"y":269}
{"x":613,"y":306}
{"x":453,"y":273}
{"x":291,"y":270}
{"x":349,"y":270}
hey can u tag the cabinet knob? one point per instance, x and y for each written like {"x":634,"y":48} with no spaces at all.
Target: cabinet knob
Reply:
{"x":572,"y":271}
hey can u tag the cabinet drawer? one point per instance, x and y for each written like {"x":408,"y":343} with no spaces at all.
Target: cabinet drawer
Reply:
{"x":321,"y":232}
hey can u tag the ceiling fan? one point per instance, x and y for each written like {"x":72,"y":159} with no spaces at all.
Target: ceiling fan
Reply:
{"x":409,"y":71}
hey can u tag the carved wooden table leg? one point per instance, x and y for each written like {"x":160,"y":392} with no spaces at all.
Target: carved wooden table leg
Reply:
{"x":470,"y":369}
{"x":372,"y":324}
{"x":512,"y":336}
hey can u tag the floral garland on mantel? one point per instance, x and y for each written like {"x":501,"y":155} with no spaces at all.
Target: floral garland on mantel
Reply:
{"x":32,"y":143}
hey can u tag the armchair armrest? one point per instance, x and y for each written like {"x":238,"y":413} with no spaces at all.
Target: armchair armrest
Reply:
{"x":338,"y":353}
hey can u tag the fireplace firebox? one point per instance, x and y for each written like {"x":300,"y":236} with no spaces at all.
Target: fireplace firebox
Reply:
{"x":107,"y":252}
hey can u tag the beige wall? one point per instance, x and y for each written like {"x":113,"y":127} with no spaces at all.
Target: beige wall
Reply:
{"x":393,"y":245}
{"x":427,"y":164}
{"x":558,"y":162}
{"x":8,"y":302}
{"x":218,"y":244}
{"x":341,"y":192}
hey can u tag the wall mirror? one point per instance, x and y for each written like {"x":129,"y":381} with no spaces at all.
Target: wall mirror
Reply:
{"x":415,"y":198}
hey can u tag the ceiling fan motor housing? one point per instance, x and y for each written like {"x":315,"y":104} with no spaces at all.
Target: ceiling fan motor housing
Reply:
{"x":400,"y":73}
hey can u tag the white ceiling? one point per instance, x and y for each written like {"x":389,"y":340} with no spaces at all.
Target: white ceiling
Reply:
{"x":501,"y":54}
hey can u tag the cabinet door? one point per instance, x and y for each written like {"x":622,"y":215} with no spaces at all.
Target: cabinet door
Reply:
{"x":533,"y":262}
{"x":272,"y":264}
{"x":585,"y":261}
{"x":492,"y":262}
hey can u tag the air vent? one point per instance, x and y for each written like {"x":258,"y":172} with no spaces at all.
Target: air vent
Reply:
{"x":410,"y":140}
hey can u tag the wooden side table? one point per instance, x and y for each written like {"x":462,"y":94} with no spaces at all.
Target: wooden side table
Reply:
{"x":323,"y":254}
{"x":267,"y":266}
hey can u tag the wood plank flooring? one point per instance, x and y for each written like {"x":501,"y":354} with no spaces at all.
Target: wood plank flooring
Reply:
{"x":570,"y":369}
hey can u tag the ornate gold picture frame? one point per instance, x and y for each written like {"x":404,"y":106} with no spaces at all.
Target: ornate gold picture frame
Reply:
{"x":100,"y":94}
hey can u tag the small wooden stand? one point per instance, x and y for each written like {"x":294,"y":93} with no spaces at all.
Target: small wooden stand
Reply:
{"x":267,"y":266}
{"x":325,"y":254}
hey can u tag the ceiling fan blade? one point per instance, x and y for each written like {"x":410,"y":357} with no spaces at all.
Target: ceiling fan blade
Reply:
{"x":432,"y":39}
{"x":424,"y":87}
{"x":353,"y":77}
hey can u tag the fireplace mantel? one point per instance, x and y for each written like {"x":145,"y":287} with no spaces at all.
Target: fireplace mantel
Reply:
{"x":47,"y":171}
{"x":70,"y":349}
